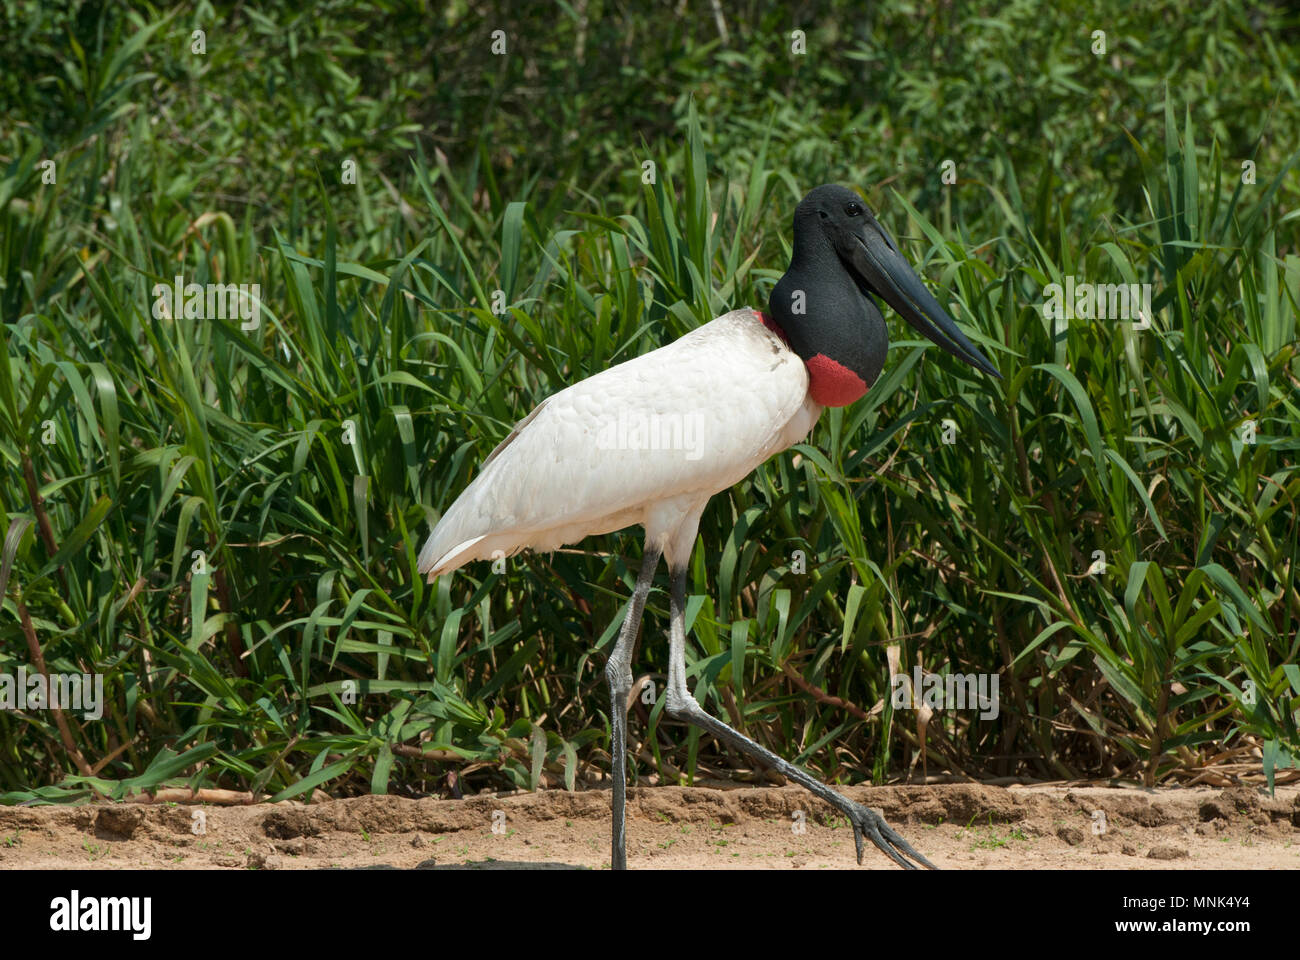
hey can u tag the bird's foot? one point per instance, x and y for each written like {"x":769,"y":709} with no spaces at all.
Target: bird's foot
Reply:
{"x":866,"y":822}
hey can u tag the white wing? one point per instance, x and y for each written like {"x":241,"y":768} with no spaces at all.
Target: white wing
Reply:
{"x":677,"y":424}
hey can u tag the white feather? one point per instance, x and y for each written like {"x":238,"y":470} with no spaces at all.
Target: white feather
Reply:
{"x":647,"y":441}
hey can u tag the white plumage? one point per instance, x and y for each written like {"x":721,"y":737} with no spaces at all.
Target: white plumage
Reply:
{"x":648,"y":442}
{"x":651,"y":440}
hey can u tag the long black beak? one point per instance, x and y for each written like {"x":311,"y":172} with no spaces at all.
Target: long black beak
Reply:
{"x":884,"y":270}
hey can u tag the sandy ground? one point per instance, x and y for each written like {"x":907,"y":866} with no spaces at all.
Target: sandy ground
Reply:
{"x":955,"y":825}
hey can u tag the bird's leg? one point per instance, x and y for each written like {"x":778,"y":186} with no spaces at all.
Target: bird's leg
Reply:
{"x":683,"y":706}
{"x":618,"y":671}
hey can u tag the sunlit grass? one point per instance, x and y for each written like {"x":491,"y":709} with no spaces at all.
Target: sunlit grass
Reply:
{"x":304,"y":460}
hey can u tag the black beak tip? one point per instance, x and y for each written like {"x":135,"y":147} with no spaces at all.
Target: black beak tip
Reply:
{"x":882,"y":270}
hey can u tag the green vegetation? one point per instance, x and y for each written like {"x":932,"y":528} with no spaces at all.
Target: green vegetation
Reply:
{"x":223,"y":522}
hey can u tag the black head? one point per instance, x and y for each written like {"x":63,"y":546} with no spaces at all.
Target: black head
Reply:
{"x":838,"y":242}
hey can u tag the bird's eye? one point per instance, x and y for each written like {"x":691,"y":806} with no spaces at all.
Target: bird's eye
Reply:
{"x":823,"y":214}
{"x":854,"y":210}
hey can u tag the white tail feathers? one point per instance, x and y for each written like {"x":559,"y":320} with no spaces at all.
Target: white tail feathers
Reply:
{"x":435,"y":561}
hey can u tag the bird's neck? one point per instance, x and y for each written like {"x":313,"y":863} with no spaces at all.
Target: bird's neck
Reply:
{"x":834,"y":327}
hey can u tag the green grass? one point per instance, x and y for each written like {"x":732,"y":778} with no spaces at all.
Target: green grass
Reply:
{"x":305,"y":459}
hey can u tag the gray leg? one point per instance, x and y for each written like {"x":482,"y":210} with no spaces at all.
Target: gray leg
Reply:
{"x":682,"y":705}
{"x":618,"y":671}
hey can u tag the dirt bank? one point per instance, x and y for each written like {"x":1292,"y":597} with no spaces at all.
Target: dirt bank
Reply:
{"x":955,"y":825}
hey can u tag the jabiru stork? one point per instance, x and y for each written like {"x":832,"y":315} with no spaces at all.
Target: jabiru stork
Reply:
{"x":749,"y":385}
